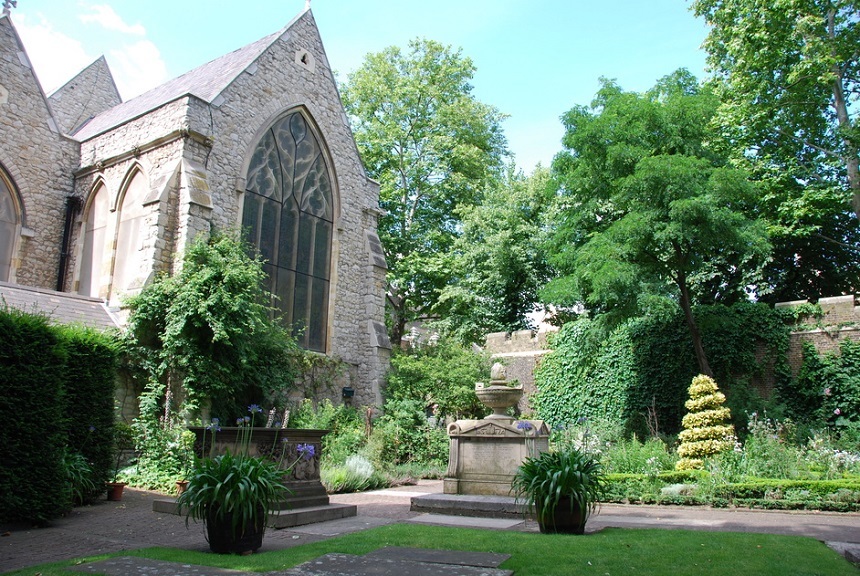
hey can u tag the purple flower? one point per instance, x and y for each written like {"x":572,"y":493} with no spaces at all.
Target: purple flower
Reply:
{"x":92,"y":428}
{"x":216,"y":421}
{"x":307,"y":451}
{"x":582,"y":420}
{"x":246,"y":419}
{"x":523,"y":425}
{"x":254,"y":408}
{"x":240,"y":421}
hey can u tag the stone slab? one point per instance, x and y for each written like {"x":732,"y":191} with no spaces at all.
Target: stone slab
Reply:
{"x":133,"y":566}
{"x":343,"y":526}
{"x":349,"y":565}
{"x":851,"y":550}
{"x":467,"y":521}
{"x":453,"y":557}
{"x":468,"y":505}
{"x":280,"y":518}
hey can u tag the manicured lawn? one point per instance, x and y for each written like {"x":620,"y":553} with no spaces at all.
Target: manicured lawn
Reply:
{"x":612,"y":551}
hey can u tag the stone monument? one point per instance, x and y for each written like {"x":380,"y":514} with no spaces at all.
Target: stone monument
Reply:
{"x":484,"y":454}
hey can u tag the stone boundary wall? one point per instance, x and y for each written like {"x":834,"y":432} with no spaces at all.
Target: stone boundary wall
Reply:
{"x":841,"y":322}
{"x":520,"y":352}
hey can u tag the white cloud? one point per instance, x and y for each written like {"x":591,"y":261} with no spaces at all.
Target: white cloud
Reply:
{"x":137,"y":68}
{"x":55,"y":56}
{"x":105,"y":16}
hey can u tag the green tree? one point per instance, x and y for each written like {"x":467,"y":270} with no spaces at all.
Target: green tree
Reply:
{"x":206,"y":333}
{"x":646,"y":209}
{"x":433,"y":147}
{"x":787,"y":74}
{"x":498,"y":263}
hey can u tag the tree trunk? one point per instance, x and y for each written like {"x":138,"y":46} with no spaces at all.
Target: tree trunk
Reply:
{"x":695,"y":335}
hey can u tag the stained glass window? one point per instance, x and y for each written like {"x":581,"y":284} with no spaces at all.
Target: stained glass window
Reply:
{"x":288,"y":216}
{"x":8,"y":228}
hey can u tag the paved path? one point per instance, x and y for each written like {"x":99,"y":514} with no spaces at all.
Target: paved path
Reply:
{"x":131,"y":524}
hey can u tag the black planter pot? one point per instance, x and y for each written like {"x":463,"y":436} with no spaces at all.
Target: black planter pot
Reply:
{"x":564,"y":519}
{"x":225,"y":539}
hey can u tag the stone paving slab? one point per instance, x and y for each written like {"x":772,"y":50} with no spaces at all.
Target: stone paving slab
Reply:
{"x":131,"y":565}
{"x":466,"y":521}
{"x":349,"y":565}
{"x":453,"y":557}
{"x":342,"y":526}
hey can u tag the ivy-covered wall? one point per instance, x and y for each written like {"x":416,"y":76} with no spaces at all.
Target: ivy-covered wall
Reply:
{"x":639,"y":372}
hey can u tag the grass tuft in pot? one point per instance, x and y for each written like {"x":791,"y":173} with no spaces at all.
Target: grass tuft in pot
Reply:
{"x":561,"y":488}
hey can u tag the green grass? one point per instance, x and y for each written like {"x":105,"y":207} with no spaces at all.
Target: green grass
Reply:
{"x":611,"y":551}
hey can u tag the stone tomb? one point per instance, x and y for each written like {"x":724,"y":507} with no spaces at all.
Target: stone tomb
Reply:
{"x":484,"y":454}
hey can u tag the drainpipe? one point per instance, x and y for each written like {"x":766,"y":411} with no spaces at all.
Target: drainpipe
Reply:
{"x":73,"y":206}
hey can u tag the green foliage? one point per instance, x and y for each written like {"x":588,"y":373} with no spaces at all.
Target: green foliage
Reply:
{"x":828,"y":386}
{"x":647,"y":210}
{"x":235,"y":487}
{"x":707,"y":431}
{"x":541,"y":482}
{"x":57,"y":406}
{"x":499,"y":262}
{"x":786,"y":75}
{"x":161,"y":454}
{"x":651,"y":457}
{"x":634,"y":375}
{"x":345,"y":424}
{"x":433,"y":147}
{"x":440,"y":377}
{"x":209,"y":330}
{"x":356,"y":474}
{"x":403,"y":434}
{"x":90,"y":373}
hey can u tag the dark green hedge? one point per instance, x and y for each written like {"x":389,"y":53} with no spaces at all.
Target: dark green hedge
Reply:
{"x":56,"y":383}
{"x":90,"y":385}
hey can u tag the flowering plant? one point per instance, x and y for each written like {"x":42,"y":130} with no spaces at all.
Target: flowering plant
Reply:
{"x":234,"y":491}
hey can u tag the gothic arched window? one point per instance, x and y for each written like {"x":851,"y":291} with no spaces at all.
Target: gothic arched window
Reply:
{"x":8,"y":227}
{"x":288,"y":216}
{"x":92,"y":256}
{"x":129,"y":238}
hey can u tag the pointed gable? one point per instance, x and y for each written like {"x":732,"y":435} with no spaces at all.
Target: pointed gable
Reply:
{"x":88,"y":94}
{"x":19,"y":84}
{"x":205,"y":82}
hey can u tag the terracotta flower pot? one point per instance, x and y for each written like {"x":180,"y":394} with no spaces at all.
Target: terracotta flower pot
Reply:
{"x":114,"y":491}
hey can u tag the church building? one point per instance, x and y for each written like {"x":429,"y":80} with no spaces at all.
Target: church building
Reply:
{"x":97,"y":196}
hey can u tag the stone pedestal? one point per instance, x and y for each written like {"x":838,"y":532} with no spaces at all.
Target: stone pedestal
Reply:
{"x":484,"y":454}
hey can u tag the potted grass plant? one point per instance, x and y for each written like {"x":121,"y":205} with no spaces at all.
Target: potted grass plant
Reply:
{"x":123,"y":441}
{"x":561,"y":489}
{"x":232,"y":493}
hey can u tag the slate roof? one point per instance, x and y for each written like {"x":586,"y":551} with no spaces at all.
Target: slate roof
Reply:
{"x":204,"y":82}
{"x":60,"y":307}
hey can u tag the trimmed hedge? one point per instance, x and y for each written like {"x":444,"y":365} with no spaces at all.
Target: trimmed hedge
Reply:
{"x":56,"y":382}
{"x":90,"y":391}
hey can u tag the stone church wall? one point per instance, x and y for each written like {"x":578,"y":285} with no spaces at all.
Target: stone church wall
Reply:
{"x":37,"y":159}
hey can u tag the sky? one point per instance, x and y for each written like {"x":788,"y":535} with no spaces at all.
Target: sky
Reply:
{"x":535,"y":59}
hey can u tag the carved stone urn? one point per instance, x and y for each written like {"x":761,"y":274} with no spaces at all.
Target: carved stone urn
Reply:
{"x":498,"y":396}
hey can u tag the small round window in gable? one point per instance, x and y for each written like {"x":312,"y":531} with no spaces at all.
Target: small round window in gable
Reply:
{"x":305,"y":59}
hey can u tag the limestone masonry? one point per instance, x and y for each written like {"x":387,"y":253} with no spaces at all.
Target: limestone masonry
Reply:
{"x":97,"y":196}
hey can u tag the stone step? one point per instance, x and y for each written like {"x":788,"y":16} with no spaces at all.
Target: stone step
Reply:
{"x":468,"y":505}
{"x":280,"y":518}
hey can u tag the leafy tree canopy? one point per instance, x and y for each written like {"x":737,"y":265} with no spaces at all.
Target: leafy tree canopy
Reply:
{"x":647,"y":211}
{"x":787,"y":76}
{"x":498,"y":262}
{"x":433,"y":147}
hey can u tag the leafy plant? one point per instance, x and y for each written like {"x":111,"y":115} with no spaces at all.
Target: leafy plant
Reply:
{"x":706,"y":426}
{"x":78,"y":477}
{"x":543,"y":481}
{"x":235,"y":487}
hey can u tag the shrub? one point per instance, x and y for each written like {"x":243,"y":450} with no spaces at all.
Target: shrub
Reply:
{"x":705,"y":432}
{"x":32,"y":436}
{"x":346,"y":428}
{"x":632,"y":456}
{"x":441,"y":376}
{"x":404,"y":435}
